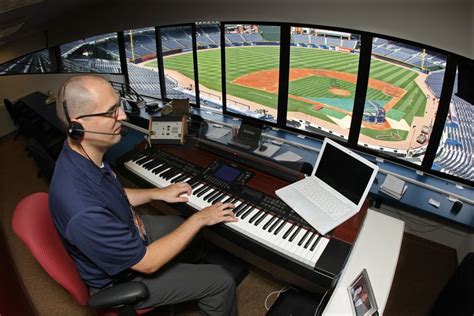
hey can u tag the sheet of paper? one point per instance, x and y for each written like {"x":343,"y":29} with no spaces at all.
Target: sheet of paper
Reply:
{"x":217,"y":133}
{"x":288,"y":156}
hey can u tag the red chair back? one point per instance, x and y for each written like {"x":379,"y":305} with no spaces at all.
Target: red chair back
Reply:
{"x":33,"y":225}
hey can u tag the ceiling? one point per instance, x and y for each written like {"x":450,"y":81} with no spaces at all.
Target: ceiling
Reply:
{"x":51,"y":22}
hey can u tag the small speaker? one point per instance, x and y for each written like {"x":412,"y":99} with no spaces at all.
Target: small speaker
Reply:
{"x":457,"y":206}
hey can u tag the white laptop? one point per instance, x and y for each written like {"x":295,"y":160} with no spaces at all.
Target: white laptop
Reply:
{"x":335,"y":191}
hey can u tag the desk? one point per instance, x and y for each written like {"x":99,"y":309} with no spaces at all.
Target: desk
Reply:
{"x":376,"y":249}
{"x":420,"y":187}
{"x":36,"y":102}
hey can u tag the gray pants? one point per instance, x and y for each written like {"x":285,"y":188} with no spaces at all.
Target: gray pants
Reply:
{"x":210,"y":285}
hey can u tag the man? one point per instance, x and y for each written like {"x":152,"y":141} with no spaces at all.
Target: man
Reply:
{"x":95,"y":218}
{"x":361,"y":301}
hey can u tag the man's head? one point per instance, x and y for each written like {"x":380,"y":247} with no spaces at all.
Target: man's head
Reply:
{"x":93,"y":109}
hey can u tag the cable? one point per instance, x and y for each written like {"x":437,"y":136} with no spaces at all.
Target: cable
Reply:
{"x":284,"y":289}
{"x":407,"y":219}
{"x":320,"y":302}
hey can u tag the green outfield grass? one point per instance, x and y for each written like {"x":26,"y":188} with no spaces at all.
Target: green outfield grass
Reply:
{"x":244,"y":60}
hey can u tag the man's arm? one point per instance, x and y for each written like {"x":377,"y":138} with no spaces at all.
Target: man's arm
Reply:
{"x":161,"y":251}
{"x":170,"y":194}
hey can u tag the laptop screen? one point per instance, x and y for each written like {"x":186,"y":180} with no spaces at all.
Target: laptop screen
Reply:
{"x":343,"y":173}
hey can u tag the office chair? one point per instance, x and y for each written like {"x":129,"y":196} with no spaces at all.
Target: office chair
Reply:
{"x":44,"y":160}
{"x":32,"y":223}
{"x":14,"y":115}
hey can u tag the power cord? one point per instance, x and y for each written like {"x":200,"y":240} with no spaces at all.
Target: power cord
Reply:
{"x":320,"y":302}
{"x":407,"y":219}
{"x":284,"y":289}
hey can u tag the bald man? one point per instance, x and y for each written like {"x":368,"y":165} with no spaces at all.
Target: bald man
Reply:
{"x":95,"y":217}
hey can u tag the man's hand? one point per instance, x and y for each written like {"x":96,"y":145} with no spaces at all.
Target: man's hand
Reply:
{"x":174,"y":193}
{"x":217,"y":213}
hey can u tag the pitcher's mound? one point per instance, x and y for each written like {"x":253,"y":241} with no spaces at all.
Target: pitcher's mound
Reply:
{"x":340,"y":92}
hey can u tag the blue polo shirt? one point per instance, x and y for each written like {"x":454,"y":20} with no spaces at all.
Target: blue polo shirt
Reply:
{"x":92,"y":214}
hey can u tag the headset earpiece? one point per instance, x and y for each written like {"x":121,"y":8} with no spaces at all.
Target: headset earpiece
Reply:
{"x":75,"y":130}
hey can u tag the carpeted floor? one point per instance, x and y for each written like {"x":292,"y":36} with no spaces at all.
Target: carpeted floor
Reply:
{"x":423,"y":269}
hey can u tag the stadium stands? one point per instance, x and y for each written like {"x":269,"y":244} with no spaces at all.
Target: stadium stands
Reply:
{"x":456,"y":151}
{"x":33,"y":63}
{"x":408,"y":54}
{"x":235,"y":38}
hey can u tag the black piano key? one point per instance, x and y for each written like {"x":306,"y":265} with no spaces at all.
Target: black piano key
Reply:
{"x":198,"y":191}
{"x":295,"y":233}
{"x":309,"y":240}
{"x":272,"y":227}
{"x":168,"y":174}
{"x":138,"y":157}
{"x":220,"y":198}
{"x":247,"y":213}
{"x":151,"y":164}
{"x":155,"y":166}
{"x":315,"y":243}
{"x":160,"y":169}
{"x":277,"y":231}
{"x":228,"y":199}
{"x":171,"y":173}
{"x":243,"y":210}
{"x":195,"y":183}
{"x":238,"y":208}
{"x":269,"y":222}
{"x":303,"y":238}
{"x":180,"y":179}
{"x":165,"y":173}
{"x":209,"y":195}
{"x":258,"y":221}
{"x":192,"y":180}
{"x":214,"y":196}
{"x":202,"y":192}
{"x":289,"y":231}
{"x":259,"y":213}
{"x":143,"y":159}
{"x":177,"y":178}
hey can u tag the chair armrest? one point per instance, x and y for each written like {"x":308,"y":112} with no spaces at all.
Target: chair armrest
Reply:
{"x":118,"y":295}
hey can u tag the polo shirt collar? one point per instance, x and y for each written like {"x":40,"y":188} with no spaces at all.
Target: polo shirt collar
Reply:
{"x":87,"y":167}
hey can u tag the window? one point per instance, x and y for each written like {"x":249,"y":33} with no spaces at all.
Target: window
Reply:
{"x":177,"y":49}
{"x":35,"y":63}
{"x":140,"y":49}
{"x":455,"y":151}
{"x":401,"y":105}
{"x":94,"y":54}
{"x":322,"y":80}
{"x":252,"y":70}
{"x":208,"y":40}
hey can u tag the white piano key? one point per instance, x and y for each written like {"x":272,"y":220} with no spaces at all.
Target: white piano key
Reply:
{"x":323,"y":242}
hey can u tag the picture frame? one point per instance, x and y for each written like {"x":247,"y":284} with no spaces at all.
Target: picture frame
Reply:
{"x":361,"y":296}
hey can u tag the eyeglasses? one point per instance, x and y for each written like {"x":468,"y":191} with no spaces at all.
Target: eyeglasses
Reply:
{"x":112,"y":113}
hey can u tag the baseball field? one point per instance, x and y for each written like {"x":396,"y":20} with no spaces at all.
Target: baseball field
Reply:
{"x":322,"y":85}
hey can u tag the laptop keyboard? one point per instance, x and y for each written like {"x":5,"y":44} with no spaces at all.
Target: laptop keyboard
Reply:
{"x":329,"y":204}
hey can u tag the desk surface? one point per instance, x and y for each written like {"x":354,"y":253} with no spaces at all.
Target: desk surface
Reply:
{"x":36,"y":101}
{"x":376,"y":249}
